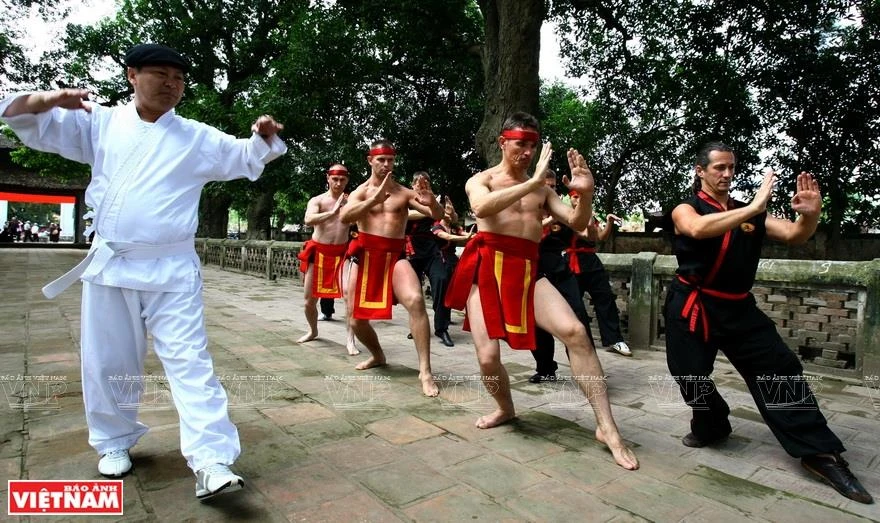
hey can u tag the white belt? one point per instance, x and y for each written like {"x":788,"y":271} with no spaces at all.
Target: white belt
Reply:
{"x":101,"y":253}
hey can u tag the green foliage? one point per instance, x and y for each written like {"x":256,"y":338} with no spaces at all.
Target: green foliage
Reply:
{"x":16,"y":70}
{"x":794,"y":80}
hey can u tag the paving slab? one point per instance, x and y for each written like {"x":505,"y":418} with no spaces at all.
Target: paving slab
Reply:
{"x":324,"y":442}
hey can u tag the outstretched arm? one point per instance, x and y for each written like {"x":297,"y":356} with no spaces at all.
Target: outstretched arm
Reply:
{"x":41,"y":102}
{"x":57,"y":122}
{"x":605,"y":232}
{"x":807,"y":202}
{"x":690,"y":223}
{"x":266,"y":127}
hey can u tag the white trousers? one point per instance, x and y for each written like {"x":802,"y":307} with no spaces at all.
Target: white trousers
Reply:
{"x":114,"y":328}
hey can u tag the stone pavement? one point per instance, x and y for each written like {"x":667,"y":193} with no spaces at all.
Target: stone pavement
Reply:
{"x":323,"y":442}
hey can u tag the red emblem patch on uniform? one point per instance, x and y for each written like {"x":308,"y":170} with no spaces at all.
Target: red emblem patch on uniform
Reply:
{"x":747,"y":227}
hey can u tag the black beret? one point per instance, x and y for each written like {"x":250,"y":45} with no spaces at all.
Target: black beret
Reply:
{"x":155,"y":54}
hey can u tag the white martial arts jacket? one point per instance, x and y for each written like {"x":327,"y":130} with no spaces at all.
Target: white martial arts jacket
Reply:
{"x":145,"y":186}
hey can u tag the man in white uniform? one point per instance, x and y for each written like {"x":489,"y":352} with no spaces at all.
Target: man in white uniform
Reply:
{"x":142,"y":273}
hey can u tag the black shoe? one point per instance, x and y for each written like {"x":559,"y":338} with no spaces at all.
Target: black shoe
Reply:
{"x":444,"y":337}
{"x":690,"y":440}
{"x":835,"y":472}
{"x":538,"y":377}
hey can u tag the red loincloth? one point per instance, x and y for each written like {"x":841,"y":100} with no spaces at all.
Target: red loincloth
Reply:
{"x":327,"y":259}
{"x":376,"y":256}
{"x":504,"y":269}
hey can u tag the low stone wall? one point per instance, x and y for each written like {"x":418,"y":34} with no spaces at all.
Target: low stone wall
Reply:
{"x":826,"y":311}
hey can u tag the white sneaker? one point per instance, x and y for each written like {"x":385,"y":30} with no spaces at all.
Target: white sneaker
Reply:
{"x":216,"y":479}
{"x":325,"y":317}
{"x":621,"y":348}
{"x":115,"y":463}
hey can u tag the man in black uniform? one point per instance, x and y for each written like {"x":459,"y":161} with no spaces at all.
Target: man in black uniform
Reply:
{"x":425,"y":257}
{"x":709,"y":306}
{"x":592,"y":278}
{"x":552,"y":265}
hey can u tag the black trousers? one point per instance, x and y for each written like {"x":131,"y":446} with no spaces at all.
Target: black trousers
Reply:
{"x":327,"y":308}
{"x":558,"y":274}
{"x":438,"y":276}
{"x":594,"y":280}
{"x":772,"y":372}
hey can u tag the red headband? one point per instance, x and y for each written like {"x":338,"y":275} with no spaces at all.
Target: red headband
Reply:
{"x":338,"y":171}
{"x":521,"y":134}
{"x":383,"y":150}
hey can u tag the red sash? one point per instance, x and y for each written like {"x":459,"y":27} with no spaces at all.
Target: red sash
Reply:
{"x":694,"y":309}
{"x":574,"y":248}
{"x":327,"y":259}
{"x":376,"y":256}
{"x":505,"y":269}
{"x":573,"y":263}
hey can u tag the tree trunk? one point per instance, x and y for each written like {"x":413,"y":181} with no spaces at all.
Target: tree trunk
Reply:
{"x":259,"y":213}
{"x":213,"y":214}
{"x":510,"y":66}
{"x":836,"y":210}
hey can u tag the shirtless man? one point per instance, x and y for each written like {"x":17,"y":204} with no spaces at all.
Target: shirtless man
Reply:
{"x":322,"y":257}
{"x":380,"y":206}
{"x":499,"y":293}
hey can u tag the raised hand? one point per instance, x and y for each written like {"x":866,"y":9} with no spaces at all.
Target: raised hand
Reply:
{"x":424,"y":193}
{"x":807,"y":200}
{"x":543,"y":163}
{"x":382,"y":193}
{"x":266,"y":126}
{"x":581,"y":179}
{"x":765,"y":192}
{"x":339,"y":203}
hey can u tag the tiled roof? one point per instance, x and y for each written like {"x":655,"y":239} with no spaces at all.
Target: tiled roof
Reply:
{"x":11,"y":178}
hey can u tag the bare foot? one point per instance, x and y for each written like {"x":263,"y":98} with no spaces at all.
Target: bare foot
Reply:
{"x":623,"y":455}
{"x":499,"y":417}
{"x":309,"y":336}
{"x":371,"y":362}
{"x":352,"y":347}
{"x":429,"y":388}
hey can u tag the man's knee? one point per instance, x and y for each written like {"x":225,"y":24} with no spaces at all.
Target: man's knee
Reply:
{"x":413,"y":303}
{"x":489,"y":362}
{"x":574,"y":335}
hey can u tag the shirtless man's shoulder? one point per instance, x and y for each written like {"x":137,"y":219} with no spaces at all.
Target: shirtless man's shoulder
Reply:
{"x":322,"y":200}
{"x":493,"y":178}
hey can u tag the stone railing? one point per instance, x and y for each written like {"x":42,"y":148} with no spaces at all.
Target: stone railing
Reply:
{"x":267,"y":259}
{"x":828,"y":312}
